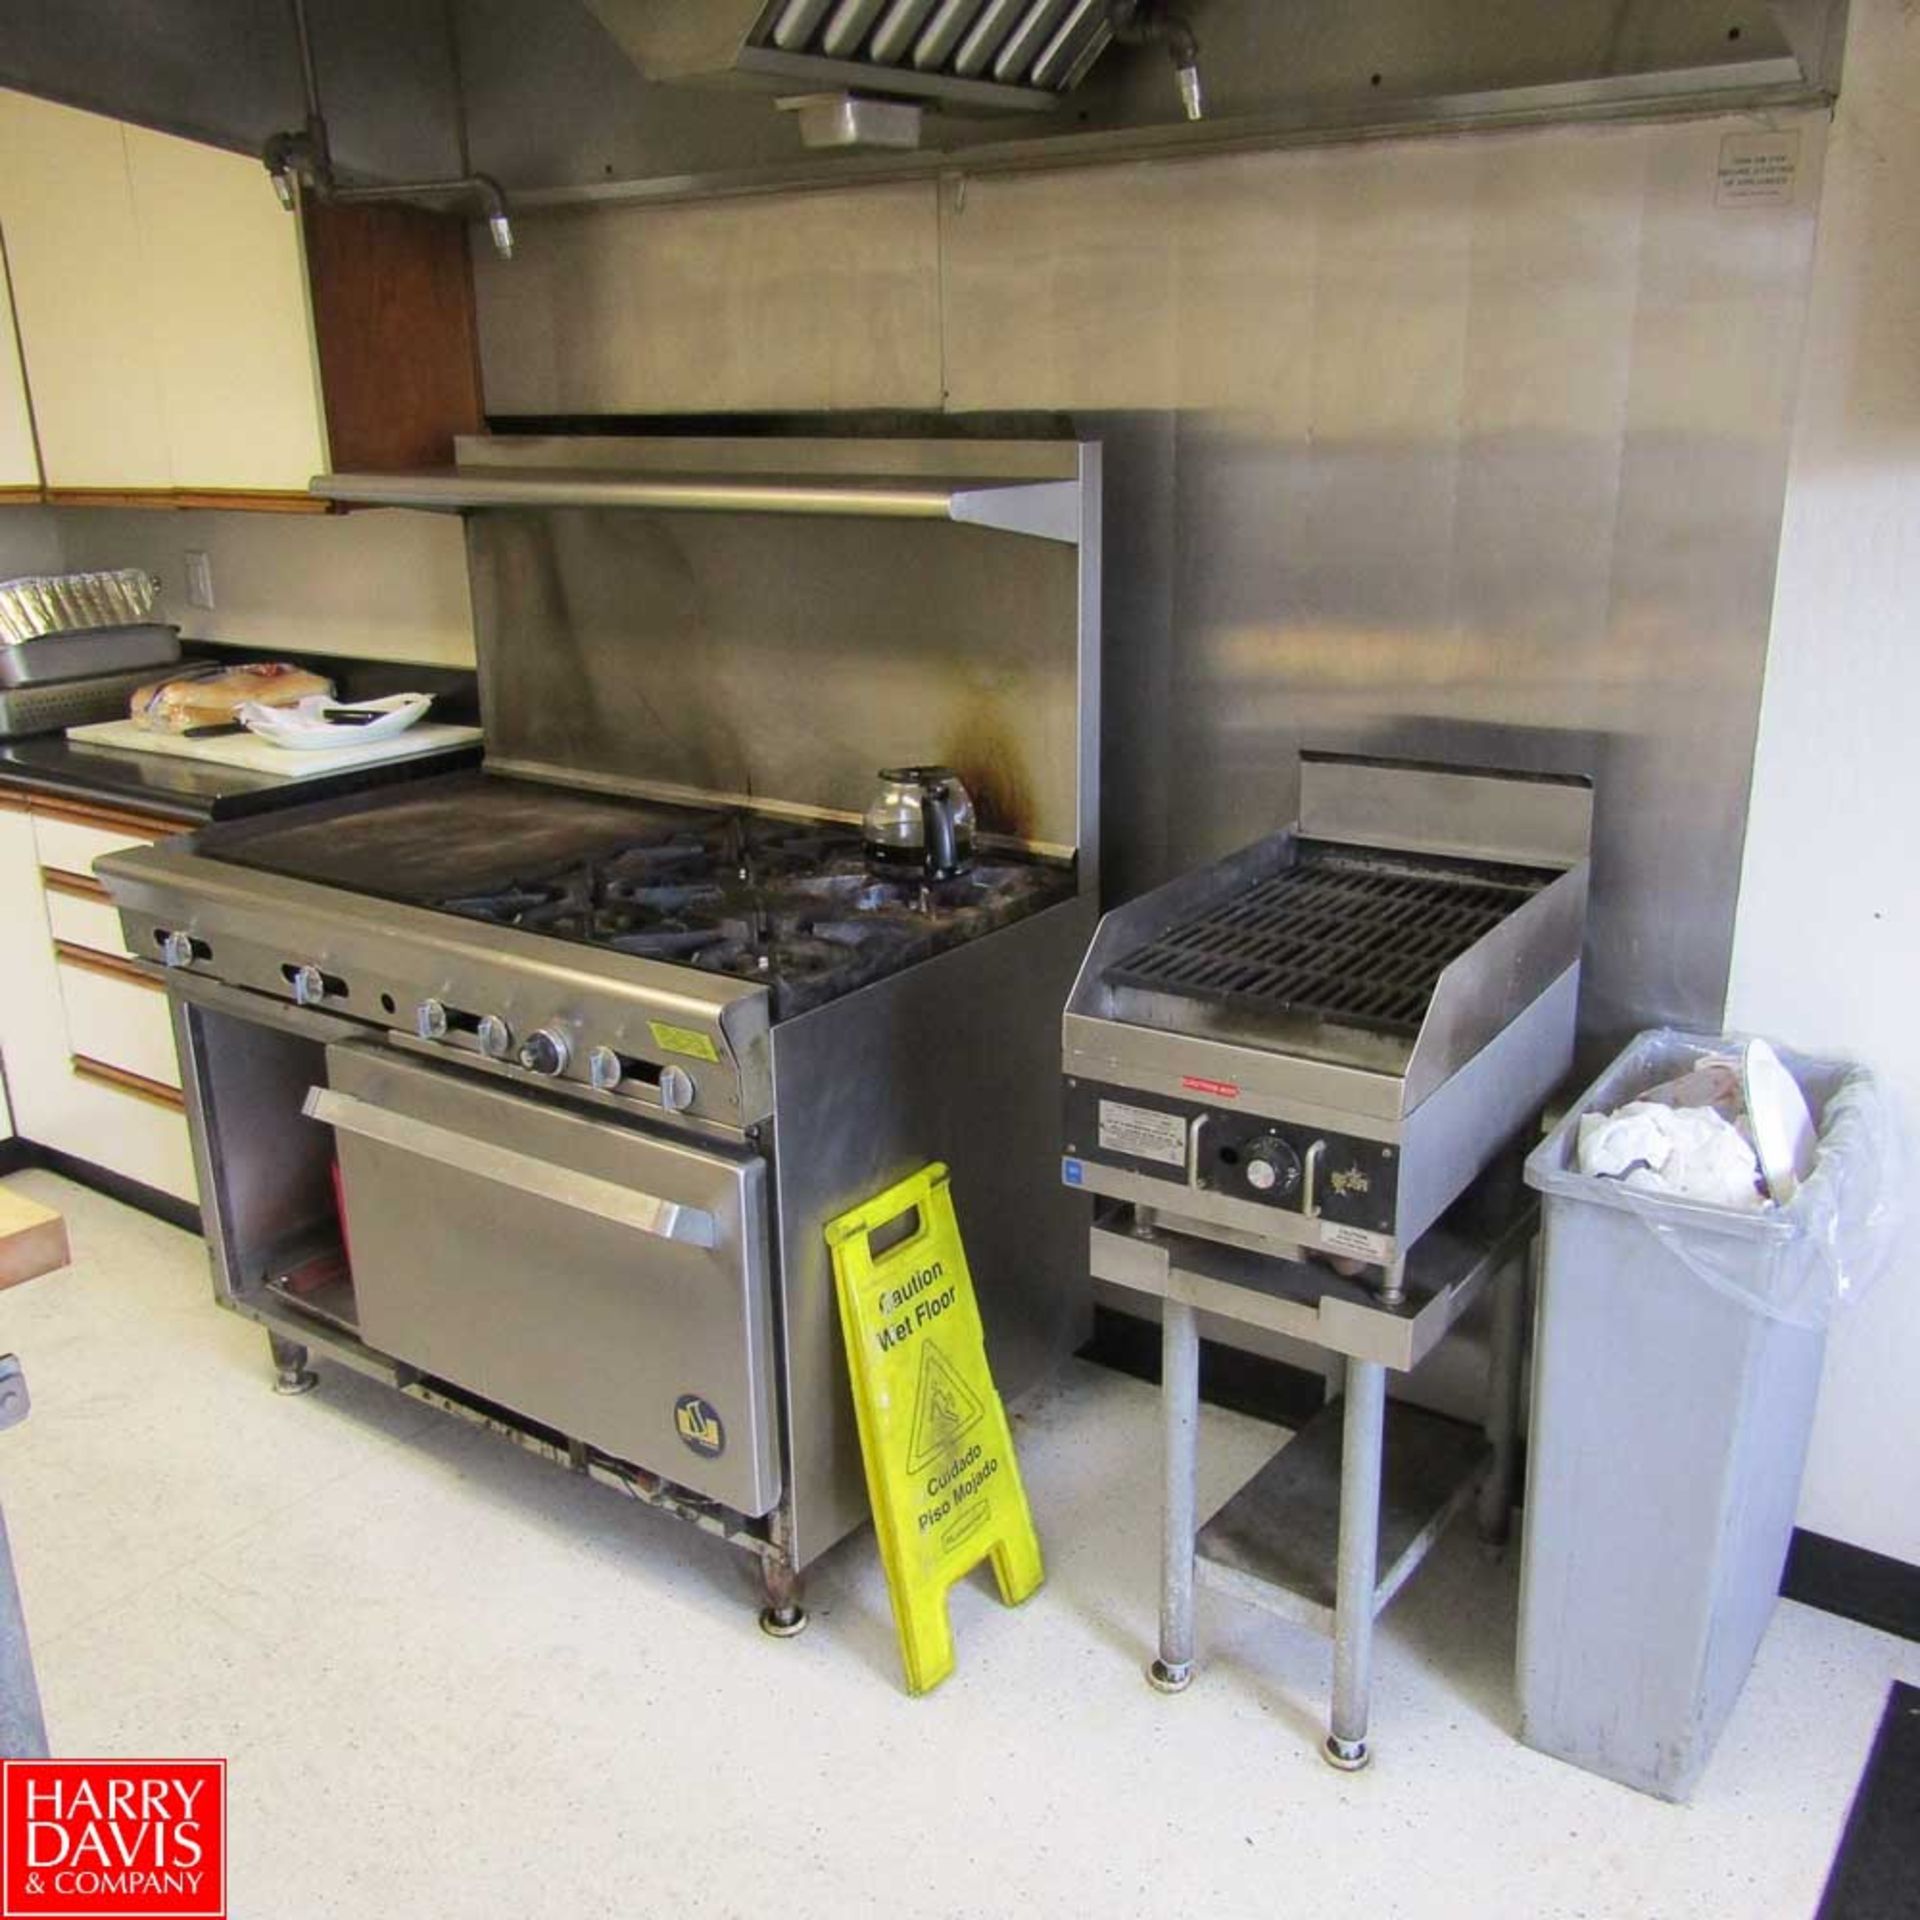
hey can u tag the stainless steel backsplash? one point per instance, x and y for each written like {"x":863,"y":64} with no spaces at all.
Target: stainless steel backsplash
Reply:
{"x":1471,"y":447}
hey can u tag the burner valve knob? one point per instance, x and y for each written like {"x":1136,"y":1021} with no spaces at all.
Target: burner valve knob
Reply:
{"x":1273,"y":1168}
{"x":547,"y":1052}
{"x":309,"y":986}
{"x":430,"y":1020}
{"x":676,"y":1089}
{"x":496,"y":1038}
{"x":603,"y":1069}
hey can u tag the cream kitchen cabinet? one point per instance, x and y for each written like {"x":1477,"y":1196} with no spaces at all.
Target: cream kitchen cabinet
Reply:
{"x":86,"y":1036}
{"x":19,"y":457}
{"x":79,"y":293}
{"x":188,"y":342}
{"x":225,"y":294}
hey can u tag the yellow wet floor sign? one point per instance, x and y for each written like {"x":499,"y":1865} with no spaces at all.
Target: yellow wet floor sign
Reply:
{"x":940,"y":1467}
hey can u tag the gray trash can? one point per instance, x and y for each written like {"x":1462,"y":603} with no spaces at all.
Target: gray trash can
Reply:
{"x":1676,"y":1365}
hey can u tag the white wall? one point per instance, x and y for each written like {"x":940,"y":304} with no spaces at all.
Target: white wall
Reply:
{"x":1827,"y":940}
{"x":29,"y":541}
{"x":382,"y":585}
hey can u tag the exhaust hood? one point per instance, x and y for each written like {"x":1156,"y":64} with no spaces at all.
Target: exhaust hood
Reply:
{"x":986,"y":85}
{"x":991,"y":56}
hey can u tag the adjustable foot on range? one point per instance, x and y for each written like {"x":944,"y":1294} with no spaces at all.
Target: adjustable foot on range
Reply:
{"x":1170,"y":1676}
{"x":1348,"y":1755}
{"x":784,"y":1615}
{"x":291,"y":1373}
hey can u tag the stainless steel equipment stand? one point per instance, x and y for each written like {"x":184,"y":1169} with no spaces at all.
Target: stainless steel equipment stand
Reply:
{"x":1363,"y":1486}
{"x":23,"y":1729}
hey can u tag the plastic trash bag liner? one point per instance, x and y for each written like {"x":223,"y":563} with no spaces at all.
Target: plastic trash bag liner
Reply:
{"x":1799,"y":1263}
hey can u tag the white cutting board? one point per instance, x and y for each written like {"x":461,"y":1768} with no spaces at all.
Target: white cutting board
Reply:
{"x":256,"y":755}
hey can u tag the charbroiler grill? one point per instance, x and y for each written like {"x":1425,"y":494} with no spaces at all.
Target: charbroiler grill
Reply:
{"x":1319,"y":1041}
{"x":532,"y":1090}
{"x":1286,"y":1076}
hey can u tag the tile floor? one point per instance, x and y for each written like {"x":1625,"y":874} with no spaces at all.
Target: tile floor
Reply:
{"x":454,"y":1681}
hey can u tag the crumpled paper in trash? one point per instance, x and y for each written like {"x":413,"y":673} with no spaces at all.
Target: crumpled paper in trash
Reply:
{"x":1689,"y":1153}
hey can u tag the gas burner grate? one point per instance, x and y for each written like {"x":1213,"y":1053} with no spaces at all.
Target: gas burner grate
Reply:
{"x":789,"y":903}
{"x":1356,"y":943}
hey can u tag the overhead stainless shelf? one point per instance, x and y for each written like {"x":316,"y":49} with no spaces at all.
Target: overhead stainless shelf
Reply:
{"x":1040,"y":509}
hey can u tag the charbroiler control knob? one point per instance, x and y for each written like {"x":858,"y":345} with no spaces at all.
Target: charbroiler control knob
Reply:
{"x":546,"y":1051}
{"x":496,"y":1038}
{"x":676,"y":1089}
{"x":176,"y":949}
{"x":604,"y":1069}
{"x":1273,"y":1168}
{"x":309,"y":986}
{"x":430,"y":1020}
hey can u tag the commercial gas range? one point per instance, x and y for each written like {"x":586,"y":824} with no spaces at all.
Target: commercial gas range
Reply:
{"x":531,"y":1090}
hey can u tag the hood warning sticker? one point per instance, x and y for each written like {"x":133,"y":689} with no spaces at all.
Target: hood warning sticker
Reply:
{"x":1143,"y":1134}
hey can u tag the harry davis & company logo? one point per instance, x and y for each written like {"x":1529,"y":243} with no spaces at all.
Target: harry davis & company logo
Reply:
{"x":698,"y":1423}
{"x":113,"y":1840}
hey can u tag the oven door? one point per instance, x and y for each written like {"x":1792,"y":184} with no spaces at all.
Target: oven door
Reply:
{"x":590,"y":1277}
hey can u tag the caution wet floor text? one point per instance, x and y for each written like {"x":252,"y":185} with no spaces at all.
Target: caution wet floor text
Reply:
{"x":940,"y":1465}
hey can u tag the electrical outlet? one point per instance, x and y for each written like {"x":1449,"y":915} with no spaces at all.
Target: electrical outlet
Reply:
{"x":199,"y":581}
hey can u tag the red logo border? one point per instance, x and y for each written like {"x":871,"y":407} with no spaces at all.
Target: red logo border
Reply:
{"x":7,"y":1909}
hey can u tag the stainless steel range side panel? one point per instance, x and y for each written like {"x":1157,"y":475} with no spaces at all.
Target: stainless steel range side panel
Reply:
{"x":956,"y":1060}
{"x":603,"y":1281}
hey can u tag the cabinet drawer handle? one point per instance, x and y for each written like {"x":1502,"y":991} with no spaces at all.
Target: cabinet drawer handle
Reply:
{"x":584,"y":1192}
{"x":122,"y":1081}
{"x":112,"y":966}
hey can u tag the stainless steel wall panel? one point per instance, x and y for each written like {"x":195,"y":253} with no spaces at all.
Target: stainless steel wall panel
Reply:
{"x":1478,"y":451}
{"x":828,"y":300}
{"x":1464,"y":448}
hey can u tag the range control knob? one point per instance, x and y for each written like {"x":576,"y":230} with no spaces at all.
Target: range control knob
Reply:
{"x":1273,"y":1168}
{"x":603,"y":1068}
{"x":676,"y":1089}
{"x":496,"y":1038}
{"x":430,"y":1020}
{"x":546,"y":1051}
{"x":176,"y":949}
{"x":309,"y":986}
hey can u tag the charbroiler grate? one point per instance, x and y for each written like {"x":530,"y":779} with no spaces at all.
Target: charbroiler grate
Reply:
{"x":1360,"y":943}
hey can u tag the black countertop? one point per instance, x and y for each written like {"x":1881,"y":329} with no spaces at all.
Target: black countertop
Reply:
{"x":192,"y":791}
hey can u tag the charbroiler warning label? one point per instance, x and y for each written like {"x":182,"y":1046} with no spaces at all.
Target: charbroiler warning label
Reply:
{"x":1142,"y":1133}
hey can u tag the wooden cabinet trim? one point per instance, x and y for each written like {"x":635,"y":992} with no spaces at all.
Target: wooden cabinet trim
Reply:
{"x":80,"y":886}
{"x":122,"y":1081}
{"x":82,"y":813}
{"x":186,"y":499}
{"x":391,"y":293}
{"x":112,"y":965}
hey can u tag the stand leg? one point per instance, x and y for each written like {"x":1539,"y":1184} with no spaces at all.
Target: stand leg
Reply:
{"x":1180,"y":1415}
{"x":291,"y":1372}
{"x":1362,"y":1446}
{"x":1505,"y":1348}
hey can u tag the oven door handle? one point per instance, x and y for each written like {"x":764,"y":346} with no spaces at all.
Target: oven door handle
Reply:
{"x":584,"y":1192}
